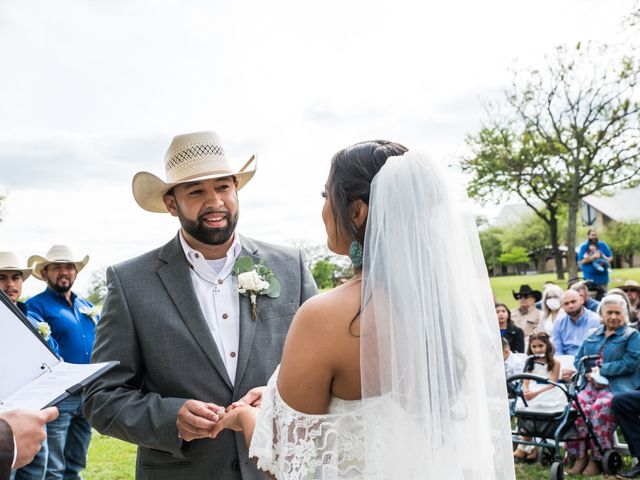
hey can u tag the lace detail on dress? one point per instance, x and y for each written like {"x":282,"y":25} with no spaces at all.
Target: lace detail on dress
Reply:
{"x":294,"y":445}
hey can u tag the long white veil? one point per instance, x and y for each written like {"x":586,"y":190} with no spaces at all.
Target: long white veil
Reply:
{"x":431,"y":358}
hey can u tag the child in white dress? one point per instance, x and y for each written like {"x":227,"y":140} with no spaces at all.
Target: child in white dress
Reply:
{"x":540,"y":396}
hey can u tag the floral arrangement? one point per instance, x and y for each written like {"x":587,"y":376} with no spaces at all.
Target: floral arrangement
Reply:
{"x":92,"y":313}
{"x":44,"y":329}
{"x":255,"y":279}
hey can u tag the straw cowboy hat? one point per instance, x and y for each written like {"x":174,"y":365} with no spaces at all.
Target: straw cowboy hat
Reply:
{"x":9,"y":261}
{"x":190,"y":157}
{"x":527,"y":290}
{"x":57,"y":254}
{"x":630,"y":285}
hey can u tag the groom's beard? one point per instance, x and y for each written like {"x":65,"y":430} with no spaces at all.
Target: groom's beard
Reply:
{"x":209,"y":236}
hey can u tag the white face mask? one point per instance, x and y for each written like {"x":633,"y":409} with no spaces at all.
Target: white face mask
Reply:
{"x":553,"y":303}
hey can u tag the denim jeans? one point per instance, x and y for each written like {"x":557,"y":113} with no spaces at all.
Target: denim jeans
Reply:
{"x":68,"y":437}
{"x":37,"y":469}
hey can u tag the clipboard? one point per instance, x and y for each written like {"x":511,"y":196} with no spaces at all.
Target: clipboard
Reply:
{"x":32,"y":375}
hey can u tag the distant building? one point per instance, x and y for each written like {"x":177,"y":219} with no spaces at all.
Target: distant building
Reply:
{"x":597,"y":211}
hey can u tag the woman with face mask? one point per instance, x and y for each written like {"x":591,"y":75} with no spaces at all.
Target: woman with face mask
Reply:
{"x":551,"y":308}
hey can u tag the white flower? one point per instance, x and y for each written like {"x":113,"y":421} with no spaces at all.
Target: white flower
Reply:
{"x":251,"y":282}
{"x":92,"y":313}
{"x":44,"y":329}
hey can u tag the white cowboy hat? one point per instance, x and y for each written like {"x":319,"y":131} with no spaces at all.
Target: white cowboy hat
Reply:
{"x":190,"y":157}
{"x":9,"y":261}
{"x":56,"y":254}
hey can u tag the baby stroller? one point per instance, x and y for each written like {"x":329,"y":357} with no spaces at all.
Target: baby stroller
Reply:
{"x":549,"y":429}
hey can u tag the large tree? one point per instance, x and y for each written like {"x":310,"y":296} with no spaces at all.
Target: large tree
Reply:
{"x":563,"y":132}
{"x":624,"y":240}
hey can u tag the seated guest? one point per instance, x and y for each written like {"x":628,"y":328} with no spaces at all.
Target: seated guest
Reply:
{"x":632,"y":289}
{"x":583,"y":290}
{"x":540,"y":397}
{"x":546,"y":285}
{"x":626,"y":410}
{"x":551,"y":308}
{"x":615,"y":372}
{"x":571,"y":329}
{"x":526,"y":316}
{"x":514,"y":335}
{"x":512,"y":363}
{"x":623,"y":294}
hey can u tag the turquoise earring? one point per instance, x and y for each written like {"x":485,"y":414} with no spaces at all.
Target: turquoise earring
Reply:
{"x":355,"y":250}
{"x":355,"y":253}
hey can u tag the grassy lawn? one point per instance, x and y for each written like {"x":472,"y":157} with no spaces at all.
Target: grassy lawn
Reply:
{"x":502,"y":286}
{"x":111,"y":459}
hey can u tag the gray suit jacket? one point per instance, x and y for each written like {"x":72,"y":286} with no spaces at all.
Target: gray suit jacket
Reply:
{"x":6,"y":450}
{"x":152,"y":323}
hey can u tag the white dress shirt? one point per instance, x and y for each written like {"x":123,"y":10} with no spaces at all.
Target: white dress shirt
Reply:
{"x":219,"y":300}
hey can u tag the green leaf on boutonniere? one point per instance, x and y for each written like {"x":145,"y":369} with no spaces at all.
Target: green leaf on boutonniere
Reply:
{"x":242,"y":265}
{"x":274,"y":287}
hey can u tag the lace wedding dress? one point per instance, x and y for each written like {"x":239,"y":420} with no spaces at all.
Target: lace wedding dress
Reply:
{"x":433,"y":387}
{"x":294,"y":445}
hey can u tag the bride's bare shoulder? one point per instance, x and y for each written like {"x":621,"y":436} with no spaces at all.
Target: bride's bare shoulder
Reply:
{"x":332,"y":307}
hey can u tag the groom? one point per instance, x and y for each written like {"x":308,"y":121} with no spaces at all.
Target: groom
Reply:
{"x":188,"y":343}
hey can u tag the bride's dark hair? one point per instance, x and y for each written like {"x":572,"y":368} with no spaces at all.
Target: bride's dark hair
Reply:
{"x":352,"y":171}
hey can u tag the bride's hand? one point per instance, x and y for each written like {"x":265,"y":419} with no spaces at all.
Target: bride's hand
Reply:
{"x":238,"y":419}
{"x":253,"y":398}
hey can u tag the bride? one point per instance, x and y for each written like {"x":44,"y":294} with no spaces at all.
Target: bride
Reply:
{"x":398,"y":373}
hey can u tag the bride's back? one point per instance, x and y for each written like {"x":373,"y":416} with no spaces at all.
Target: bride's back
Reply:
{"x":321,"y":355}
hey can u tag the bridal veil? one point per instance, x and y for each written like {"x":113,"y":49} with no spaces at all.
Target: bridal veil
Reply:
{"x":433,"y":385}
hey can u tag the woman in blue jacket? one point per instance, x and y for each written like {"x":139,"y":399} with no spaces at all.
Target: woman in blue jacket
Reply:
{"x":616,"y":371}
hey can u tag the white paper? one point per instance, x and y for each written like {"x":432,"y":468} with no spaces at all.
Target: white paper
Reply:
{"x":22,"y":353}
{"x":49,"y":386}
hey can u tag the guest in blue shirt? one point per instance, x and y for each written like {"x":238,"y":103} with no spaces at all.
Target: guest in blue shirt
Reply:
{"x":73,"y":324}
{"x":586,"y":257}
{"x":570,"y":330}
{"x":11,"y":279}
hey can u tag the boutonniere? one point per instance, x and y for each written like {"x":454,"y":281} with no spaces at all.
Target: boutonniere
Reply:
{"x":255,"y":279}
{"x":44,"y":329}
{"x":92,"y":313}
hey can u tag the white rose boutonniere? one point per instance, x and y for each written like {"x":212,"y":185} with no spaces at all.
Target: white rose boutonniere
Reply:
{"x":255,"y":279}
{"x":92,"y":313}
{"x":44,"y":329}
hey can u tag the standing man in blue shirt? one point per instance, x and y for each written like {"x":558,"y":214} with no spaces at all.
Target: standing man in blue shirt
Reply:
{"x":595,"y":251}
{"x":73,"y":324}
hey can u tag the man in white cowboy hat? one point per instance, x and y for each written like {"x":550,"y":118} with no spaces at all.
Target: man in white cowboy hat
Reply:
{"x":11,"y":278}
{"x":73,"y":324}
{"x":188,"y":343}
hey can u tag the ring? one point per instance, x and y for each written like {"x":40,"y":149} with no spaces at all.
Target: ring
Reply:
{"x":220,"y":412}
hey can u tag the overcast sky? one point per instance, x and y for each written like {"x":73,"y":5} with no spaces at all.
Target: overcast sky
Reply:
{"x":92,"y":92}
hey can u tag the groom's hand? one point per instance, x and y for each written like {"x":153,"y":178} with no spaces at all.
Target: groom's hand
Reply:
{"x":196,"y":419}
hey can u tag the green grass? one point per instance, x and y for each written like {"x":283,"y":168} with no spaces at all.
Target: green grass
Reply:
{"x":111,"y":459}
{"x":502,"y":286}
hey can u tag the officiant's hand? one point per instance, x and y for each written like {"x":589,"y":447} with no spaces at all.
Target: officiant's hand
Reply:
{"x":196,"y":419}
{"x":253,"y":398}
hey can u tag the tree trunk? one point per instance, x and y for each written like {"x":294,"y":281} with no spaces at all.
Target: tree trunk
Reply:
{"x":555,"y":244}
{"x":572,"y":266}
